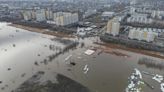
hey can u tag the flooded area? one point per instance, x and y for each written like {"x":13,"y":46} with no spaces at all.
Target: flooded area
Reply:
{"x":23,"y":54}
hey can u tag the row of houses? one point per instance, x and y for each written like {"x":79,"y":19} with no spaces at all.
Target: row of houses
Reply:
{"x":65,"y":18}
{"x":144,"y":34}
{"x":38,"y":15}
{"x":58,"y":18}
{"x":139,"y":19}
{"x":153,"y":13}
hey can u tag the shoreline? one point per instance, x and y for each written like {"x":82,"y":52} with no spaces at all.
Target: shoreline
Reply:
{"x":43,"y":31}
{"x":132,"y":43}
{"x":121,"y":47}
{"x":108,"y":45}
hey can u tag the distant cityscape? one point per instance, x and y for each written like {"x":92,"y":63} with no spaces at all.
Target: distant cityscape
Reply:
{"x":81,"y":45}
{"x":135,"y":20}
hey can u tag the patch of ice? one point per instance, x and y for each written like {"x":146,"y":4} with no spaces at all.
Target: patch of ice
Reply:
{"x":135,"y":82}
{"x":162,"y":87}
{"x":158,"y":78}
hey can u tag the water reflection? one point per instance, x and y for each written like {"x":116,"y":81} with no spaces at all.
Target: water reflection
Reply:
{"x":150,"y":63}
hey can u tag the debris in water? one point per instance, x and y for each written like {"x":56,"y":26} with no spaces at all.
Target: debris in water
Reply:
{"x":86,"y":69}
{"x":13,"y":81}
{"x":11,"y":36}
{"x":73,"y":63}
{"x":6,"y":85}
{"x":14,"y":45}
{"x":41,"y":72}
{"x":100,"y":52}
{"x":94,"y":56}
{"x":45,"y":61}
{"x":23,"y":74}
{"x":67,"y":58}
{"x":39,"y":55}
{"x":69,"y":69}
{"x":36,"y":63}
{"x":17,"y":30}
{"x":82,"y":45}
{"x":9,"y":69}
{"x":2,"y":88}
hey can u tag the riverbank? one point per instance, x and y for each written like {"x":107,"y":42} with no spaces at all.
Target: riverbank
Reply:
{"x":145,"y":52}
{"x":43,"y":31}
{"x":110,"y":45}
{"x":149,"y":46}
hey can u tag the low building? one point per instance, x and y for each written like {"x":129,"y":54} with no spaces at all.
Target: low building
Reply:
{"x":89,"y":12}
{"x":51,"y":22}
{"x":132,"y":10}
{"x":81,"y":31}
{"x":144,"y":34}
{"x":107,"y":15}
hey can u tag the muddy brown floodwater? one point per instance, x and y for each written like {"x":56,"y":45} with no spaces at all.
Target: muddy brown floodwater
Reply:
{"x":107,"y":71}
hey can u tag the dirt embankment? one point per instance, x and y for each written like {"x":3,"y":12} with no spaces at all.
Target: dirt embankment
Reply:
{"x":43,"y":31}
{"x":110,"y":51}
{"x":145,"y":52}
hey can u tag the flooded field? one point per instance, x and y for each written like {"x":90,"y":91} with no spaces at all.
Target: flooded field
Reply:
{"x":23,"y":54}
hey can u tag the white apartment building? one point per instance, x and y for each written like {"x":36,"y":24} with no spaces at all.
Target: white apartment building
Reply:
{"x":64,"y":18}
{"x":145,"y":34}
{"x":113,"y":27}
{"x":40,"y":15}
